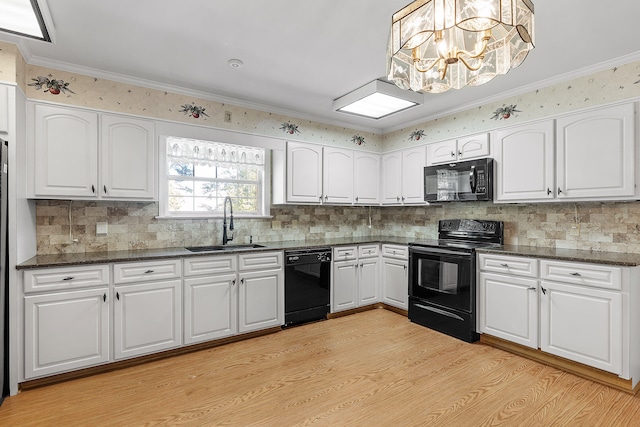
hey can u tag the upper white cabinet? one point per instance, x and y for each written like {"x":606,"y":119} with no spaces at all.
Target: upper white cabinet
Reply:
{"x":403,"y":176}
{"x":366,"y":185}
{"x":583,"y":156}
{"x":72,"y":159}
{"x":4,"y":108}
{"x":456,"y":150}
{"x":524,"y":162}
{"x":127,"y":158}
{"x":337,"y":175}
{"x":304,"y":173}
{"x":65,"y":152}
{"x":595,"y":153}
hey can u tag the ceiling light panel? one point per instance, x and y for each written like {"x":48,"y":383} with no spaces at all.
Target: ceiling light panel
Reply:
{"x":23,"y":18}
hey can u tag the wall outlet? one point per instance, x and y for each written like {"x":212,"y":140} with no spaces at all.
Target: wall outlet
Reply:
{"x":227,"y":116}
{"x":101,"y":228}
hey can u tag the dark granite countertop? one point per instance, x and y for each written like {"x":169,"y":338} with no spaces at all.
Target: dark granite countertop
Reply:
{"x":611,"y":258}
{"x":58,"y":260}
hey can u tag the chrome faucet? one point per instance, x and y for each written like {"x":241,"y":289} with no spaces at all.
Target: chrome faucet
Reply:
{"x":225,"y":238}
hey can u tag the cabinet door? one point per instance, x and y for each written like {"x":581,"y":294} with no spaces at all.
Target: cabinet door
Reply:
{"x":337,"y":184}
{"x":65,"y":331}
{"x":413,"y":163}
{"x":442,"y":152}
{"x":395,"y":283}
{"x":304,"y":173}
{"x":368,"y":281}
{"x":147,"y":318}
{"x":524,"y":158}
{"x":366,"y":182}
{"x":210,"y":307}
{"x":596,"y":153}
{"x":344,"y":291}
{"x":582,"y":324}
{"x":391,"y":184}
{"x":473,"y":147}
{"x":261,"y":300}
{"x":65,"y":150}
{"x":127,"y":158}
{"x":508,"y":308}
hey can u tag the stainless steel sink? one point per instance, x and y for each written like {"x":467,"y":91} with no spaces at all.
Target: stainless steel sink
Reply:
{"x":219,"y":248}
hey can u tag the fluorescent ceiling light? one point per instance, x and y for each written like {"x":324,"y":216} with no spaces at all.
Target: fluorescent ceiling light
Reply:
{"x":376,"y":100}
{"x":23,"y":18}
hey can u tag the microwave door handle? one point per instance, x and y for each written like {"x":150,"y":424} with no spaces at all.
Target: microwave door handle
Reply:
{"x":473,"y":179}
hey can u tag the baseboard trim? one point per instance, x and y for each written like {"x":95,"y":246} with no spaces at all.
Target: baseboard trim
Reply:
{"x":593,"y":374}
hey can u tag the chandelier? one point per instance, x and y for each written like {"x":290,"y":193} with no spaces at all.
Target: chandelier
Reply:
{"x":436,"y":45}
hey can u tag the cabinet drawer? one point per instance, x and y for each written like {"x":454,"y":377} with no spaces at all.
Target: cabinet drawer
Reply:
{"x":343,"y":253}
{"x":519,"y":266}
{"x":260,"y":261}
{"x":368,"y":251}
{"x":395,"y":251}
{"x":52,"y":279}
{"x":596,"y":275}
{"x":198,"y":266}
{"x":135,"y":272}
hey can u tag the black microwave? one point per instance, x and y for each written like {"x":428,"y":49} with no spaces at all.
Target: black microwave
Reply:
{"x":458,"y":182}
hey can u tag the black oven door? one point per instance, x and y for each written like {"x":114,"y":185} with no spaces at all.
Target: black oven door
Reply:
{"x":442,"y":277}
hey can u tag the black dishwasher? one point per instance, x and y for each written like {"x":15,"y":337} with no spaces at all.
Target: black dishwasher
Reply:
{"x":307,"y":279}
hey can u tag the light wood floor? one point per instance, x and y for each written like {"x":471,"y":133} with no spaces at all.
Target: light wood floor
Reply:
{"x":369,"y":369}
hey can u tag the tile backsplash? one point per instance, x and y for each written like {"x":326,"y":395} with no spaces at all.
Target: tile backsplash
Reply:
{"x":613,"y":227}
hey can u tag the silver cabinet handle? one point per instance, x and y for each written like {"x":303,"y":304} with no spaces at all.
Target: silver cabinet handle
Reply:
{"x":544,"y":291}
{"x":104,"y":298}
{"x":404,"y":266}
{"x":356,"y":199}
{"x":453,"y":154}
{"x":504,"y":265}
{"x":233,"y":282}
{"x":93,"y":188}
{"x":326,"y":198}
{"x":459,"y":153}
{"x":559,"y":190}
{"x":118,"y":296}
{"x":397,"y":198}
{"x":403,"y":198}
{"x":68,"y":278}
{"x":548,"y":191}
{"x":531,"y":289}
{"x":242,"y":281}
{"x":576,"y":274}
{"x":105,"y":189}
{"x":148,"y":272}
{"x":320,"y":198}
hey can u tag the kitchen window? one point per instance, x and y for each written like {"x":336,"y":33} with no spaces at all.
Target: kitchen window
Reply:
{"x":200,"y":174}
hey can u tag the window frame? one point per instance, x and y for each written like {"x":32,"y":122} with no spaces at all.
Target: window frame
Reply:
{"x":168,"y":130}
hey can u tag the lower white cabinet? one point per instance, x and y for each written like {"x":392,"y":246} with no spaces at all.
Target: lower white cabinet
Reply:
{"x":65,"y":331}
{"x":395,"y":281}
{"x":582,"y":324}
{"x":582,"y":312}
{"x":261,"y":291}
{"x":147,"y":318}
{"x":508,"y":308}
{"x":210,"y":298}
{"x":355,"y":281}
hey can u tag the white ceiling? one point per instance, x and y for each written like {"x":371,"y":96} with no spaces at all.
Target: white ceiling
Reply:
{"x":300,"y":55}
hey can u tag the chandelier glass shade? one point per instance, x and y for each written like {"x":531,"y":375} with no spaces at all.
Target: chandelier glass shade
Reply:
{"x":436,"y":45}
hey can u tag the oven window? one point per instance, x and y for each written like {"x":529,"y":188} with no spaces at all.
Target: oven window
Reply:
{"x":443,"y":280}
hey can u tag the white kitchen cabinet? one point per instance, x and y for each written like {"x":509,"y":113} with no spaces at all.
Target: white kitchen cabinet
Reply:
{"x":127,"y":158}
{"x":64,"y":150}
{"x":403,"y":176}
{"x":147,"y":307}
{"x":582,"y":324}
{"x":457,"y":150}
{"x":355,"y":281}
{"x":66,"y":319}
{"x":210,"y":298}
{"x":595,"y":153}
{"x":582,"y":312}
{"x":5,"y":108}
{"x":395,"y":284}
{"x":71,"y":159}
{"x":368,"y":274}
{"x":366,"y":185}
{"x":337,"y":175}
{"x":579,"y":157}
{"x":147,"y":318}
{"x":261,"y":291}
{"x":508,"y":307}
{"x":304,"y":173}
{"x":524,"y":162}
{"x":65,"y":331}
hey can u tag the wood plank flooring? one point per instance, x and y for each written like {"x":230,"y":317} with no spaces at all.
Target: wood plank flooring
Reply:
{"x":369,"y":369}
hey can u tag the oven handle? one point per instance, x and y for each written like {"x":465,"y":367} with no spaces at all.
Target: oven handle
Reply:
{"x":436,"y":251}
{"x":437,"y":310}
